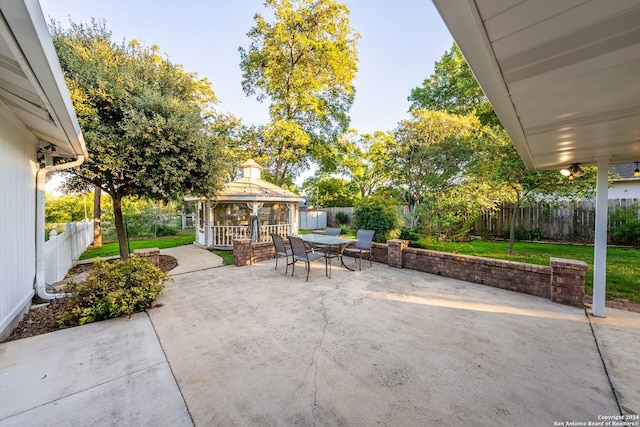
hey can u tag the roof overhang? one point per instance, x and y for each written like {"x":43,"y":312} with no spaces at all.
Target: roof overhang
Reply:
{"x":31,"y":81}
{"x":563,"y":76}
{"x":258,"y":199}
{"x":245,"y":199}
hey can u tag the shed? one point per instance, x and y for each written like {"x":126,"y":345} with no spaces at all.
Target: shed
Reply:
{"x":248,"y":207}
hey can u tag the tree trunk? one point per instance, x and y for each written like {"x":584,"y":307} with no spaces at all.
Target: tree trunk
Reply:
{"x":512,"y":231}
{"x":117,"y":216}
{"x":97,"y":227}
{"x":278,"y":175}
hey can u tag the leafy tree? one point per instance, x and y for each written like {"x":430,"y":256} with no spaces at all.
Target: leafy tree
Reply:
{"x":432,"y":152}
{"x":146,"y":121}
{"x":452,"y":87}
{"x":364,"y":160}
{"x":67,"y":208}
{"x":329,"y":191}
{"x":497,"y":162}
{"x":304,"y":62}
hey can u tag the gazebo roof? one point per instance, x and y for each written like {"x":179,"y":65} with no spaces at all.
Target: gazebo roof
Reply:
{"x":251,"y":188}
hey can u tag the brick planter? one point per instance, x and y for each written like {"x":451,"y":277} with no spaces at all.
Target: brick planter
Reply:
{"x":152,"y":254}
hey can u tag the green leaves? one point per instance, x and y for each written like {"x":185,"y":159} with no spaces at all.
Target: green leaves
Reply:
{"x":379,"y":214}
{"x":330,"y":191}
{"x":114,"y":289}
{"x":303,"y":62}
{"x":142,"y":117}
{"x":452,"y":87}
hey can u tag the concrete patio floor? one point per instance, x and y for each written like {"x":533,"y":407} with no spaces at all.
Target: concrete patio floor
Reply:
{"x":250,"y":346}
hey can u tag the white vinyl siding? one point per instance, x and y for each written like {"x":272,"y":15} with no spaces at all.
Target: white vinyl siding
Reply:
{"x":17,"y":217}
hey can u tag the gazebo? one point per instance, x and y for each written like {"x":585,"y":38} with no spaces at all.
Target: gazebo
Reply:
{"x":248,"y":207}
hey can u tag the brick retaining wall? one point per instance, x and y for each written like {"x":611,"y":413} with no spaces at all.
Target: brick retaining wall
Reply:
{"x":514,"y":276}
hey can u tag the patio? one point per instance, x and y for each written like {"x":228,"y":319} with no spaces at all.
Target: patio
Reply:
{"x":387,"y":346}
{"x":251,"y":346}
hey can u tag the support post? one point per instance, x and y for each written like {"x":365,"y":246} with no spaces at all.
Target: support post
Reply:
{"x":394,"y":255}
{"x":600,"y":243}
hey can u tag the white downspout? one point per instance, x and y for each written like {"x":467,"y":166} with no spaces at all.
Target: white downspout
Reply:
{"x":41,"y":176}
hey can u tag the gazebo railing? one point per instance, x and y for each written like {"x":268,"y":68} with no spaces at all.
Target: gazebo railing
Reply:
{"x":223,"y":236}
{"x":282,"y":229}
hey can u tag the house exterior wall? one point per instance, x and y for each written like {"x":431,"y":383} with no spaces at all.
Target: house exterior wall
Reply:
{"x":625,"y":189}
{"x":18,"y":166}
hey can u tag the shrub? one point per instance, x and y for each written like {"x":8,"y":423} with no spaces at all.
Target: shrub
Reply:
{"x":523,"y":233}
{"x":342,"y":218}
{"x":114,"y":289}
{"x":409,"y":234}
{"x":625,"y":225}
{"x":164,"y":230}
{"x":379,"y":214}
{"x":345,"y":229}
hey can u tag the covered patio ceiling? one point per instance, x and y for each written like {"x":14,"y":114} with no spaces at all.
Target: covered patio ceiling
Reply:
{"x":563,"y":76}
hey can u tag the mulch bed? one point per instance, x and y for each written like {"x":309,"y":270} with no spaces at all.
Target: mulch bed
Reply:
{"x":43,"y":318}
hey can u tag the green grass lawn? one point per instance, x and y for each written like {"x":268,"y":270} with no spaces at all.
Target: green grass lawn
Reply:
{"x":227,"y":256}
{"x":623,"y":264}
{"x":111,"y":249}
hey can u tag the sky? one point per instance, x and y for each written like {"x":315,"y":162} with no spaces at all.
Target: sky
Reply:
{"x":399,"y":45}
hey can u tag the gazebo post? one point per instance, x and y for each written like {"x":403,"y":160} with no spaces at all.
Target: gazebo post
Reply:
{"x":293,"y":218}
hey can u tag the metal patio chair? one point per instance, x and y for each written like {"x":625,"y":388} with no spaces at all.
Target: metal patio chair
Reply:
{"x":281,"y":251}
{"x":362,"y":246}
{"x":301,"y":253}
{"x":333,"y":232}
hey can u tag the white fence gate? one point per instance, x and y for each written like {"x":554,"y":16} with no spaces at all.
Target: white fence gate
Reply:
{"x":312,"y":219}
{"x":62,"y":249}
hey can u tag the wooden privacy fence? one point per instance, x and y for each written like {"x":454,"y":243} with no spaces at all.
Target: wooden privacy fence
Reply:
{"x":572,"y":222}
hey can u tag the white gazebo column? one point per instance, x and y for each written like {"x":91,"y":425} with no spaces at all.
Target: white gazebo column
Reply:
{"x":600,"y":243}
{"x":200,"y":236}
{"x":293,"y":218}
{"x":208,"y":223}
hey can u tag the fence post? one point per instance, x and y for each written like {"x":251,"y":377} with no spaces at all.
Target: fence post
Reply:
{"x":72,"y":229}
{"x":85,"y":236}
{"x":53,"y":237}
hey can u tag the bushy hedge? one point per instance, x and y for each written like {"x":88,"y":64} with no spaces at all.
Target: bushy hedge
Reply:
{"x":379,"y":214}
{"x":625,"y":228}
{"x":113,"y":290}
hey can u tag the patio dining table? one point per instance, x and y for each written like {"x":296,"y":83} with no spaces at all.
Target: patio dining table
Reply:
{"x":324,"y":241}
